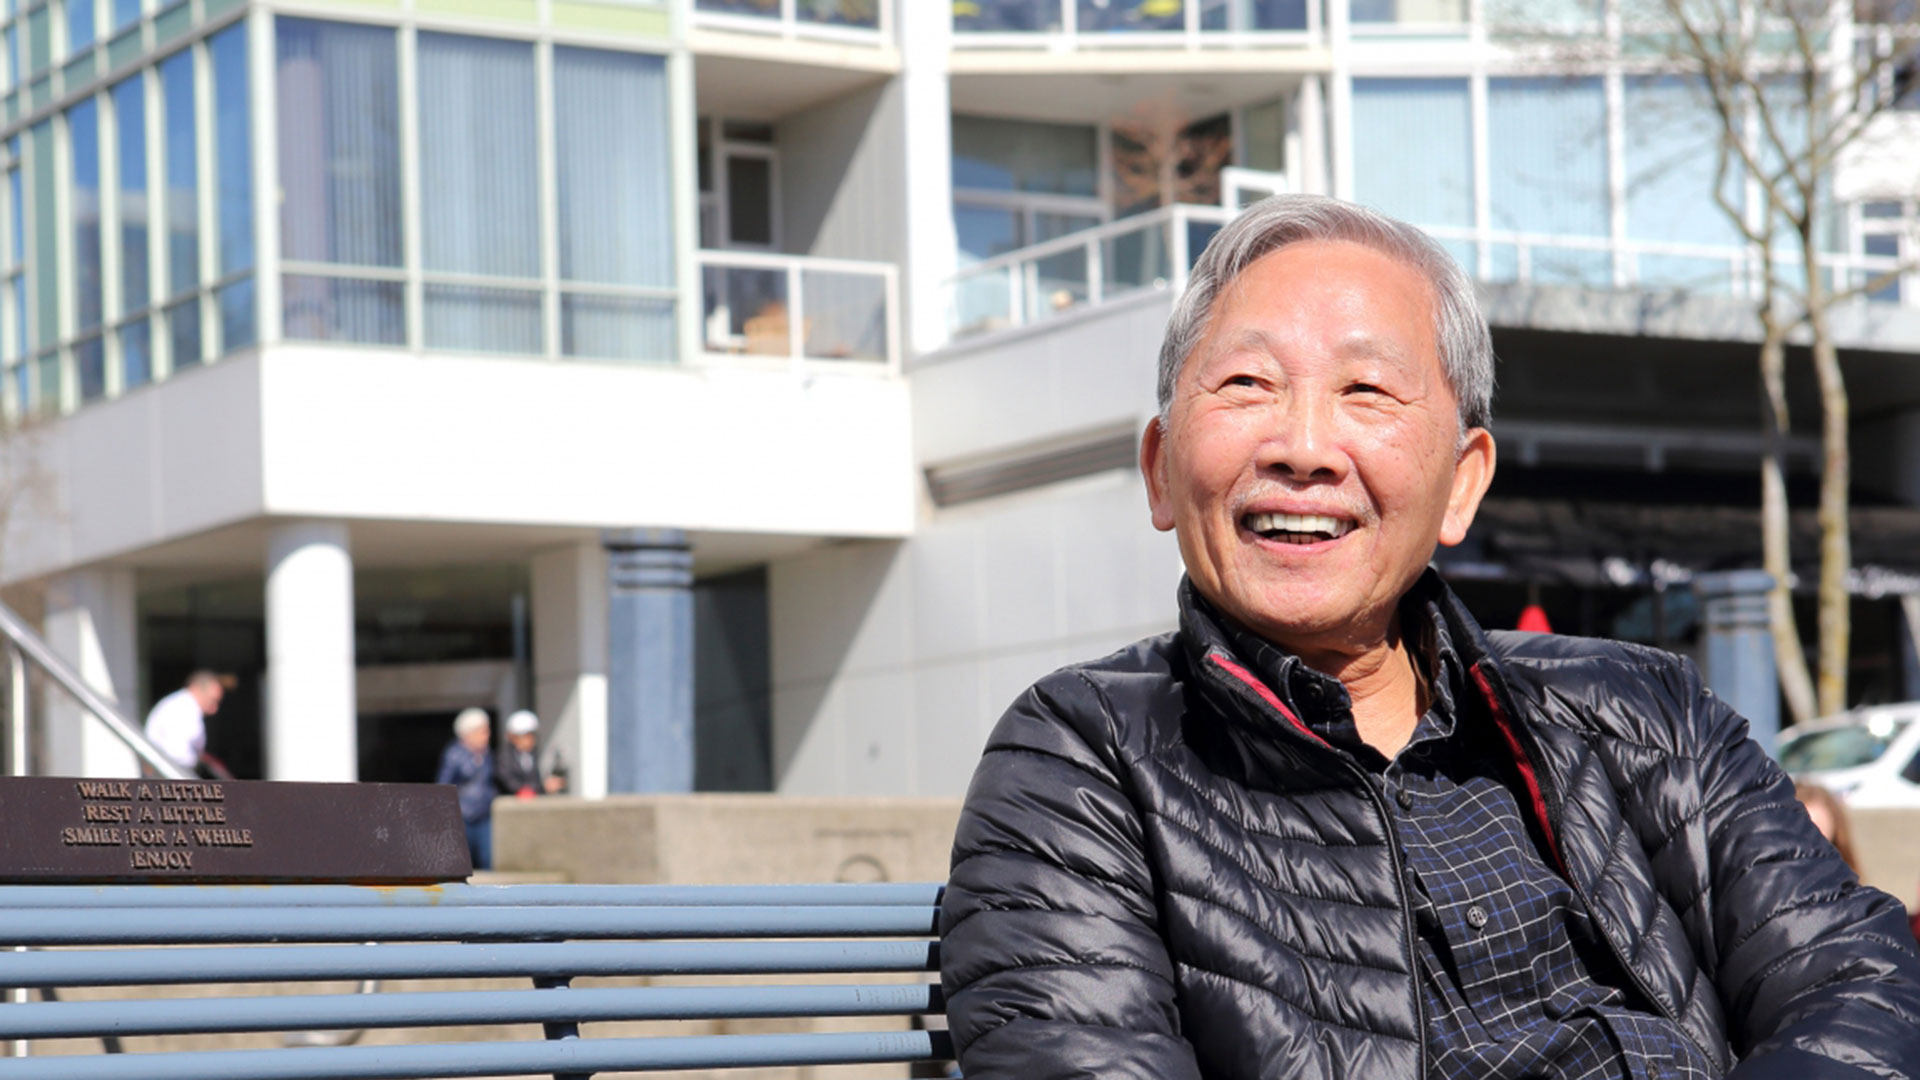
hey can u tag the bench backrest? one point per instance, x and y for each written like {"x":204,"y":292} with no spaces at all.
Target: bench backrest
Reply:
{"x":148,"y":936}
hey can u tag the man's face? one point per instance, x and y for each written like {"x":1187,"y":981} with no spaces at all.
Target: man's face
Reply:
{"x":1312,"y":454}
{"x":207,"y":695}
{"x":523,"y":741}
{"x":476,"y":739}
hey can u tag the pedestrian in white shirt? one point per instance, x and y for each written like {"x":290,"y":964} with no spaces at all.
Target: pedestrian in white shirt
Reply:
{"x":177,"y":725}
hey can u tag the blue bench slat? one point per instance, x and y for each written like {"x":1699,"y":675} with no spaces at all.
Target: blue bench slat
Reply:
{"x":185,"y":1016}
{"x":294,"y":963}
{"x":878,"y":894}
{"x":495,"y":1058}
{"x":70,"y":926}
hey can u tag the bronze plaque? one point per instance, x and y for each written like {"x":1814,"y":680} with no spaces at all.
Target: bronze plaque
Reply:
{"x":61,"y":829}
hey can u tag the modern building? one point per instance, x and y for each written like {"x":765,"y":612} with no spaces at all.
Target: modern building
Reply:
{"x":342,"y":337}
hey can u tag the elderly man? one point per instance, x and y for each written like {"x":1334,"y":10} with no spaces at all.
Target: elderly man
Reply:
{"x":1330,"y":827}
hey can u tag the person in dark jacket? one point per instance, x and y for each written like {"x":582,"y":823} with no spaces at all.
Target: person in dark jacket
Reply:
{"x":517,"y":770}
{"x":467,"y":763}
{"x":1329,"y":827}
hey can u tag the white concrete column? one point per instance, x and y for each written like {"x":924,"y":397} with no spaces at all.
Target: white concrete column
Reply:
{"x":91,"y":622}
{"x":311,"y":719}
{"x":570,"y":660}
{"x":1340,"y":100}
{"x":932,"y":251}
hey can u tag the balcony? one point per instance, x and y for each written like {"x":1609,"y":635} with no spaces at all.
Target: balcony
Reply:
{"x":800,"y":310}
{"x":856,"y":21}
{"x":1190,"y":24}
{"x":1498,"y":255}
{"x":1154,"y":250}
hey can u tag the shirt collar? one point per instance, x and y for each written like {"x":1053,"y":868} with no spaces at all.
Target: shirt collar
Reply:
{"x":1321,"y":701}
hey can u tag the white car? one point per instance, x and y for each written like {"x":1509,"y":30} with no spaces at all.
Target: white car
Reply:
{"x":1867,"y":757}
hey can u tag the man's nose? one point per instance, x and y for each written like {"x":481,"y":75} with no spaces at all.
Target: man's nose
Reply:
{"x":1302,"y":446}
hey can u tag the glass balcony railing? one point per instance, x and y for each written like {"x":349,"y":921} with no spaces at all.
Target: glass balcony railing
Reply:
{"x":1157,"y":250}
{"x":800,"y":308}
{"x":1149,"y":251}
{"x":1704,"y":269}
{"x":1094,"y":23}
{"x":861,"y":20}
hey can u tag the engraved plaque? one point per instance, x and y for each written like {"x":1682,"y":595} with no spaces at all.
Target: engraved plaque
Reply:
{"x":61,"y":829}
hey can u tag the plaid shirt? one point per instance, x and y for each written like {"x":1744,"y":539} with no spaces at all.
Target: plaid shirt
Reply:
{"x":1517,"y":982}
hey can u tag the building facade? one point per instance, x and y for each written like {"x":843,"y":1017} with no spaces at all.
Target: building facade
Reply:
{"x":337,"y":335}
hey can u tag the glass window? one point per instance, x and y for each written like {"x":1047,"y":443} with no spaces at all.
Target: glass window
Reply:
{"x":1409,"y":11}
{"x":39,"y":39}
{"x":1547,"y":155}
{"x":13,"y":55}
{"x":478,"y":156}
{"x":83,"y":135}
{"x":183,"y":333}
{"x":749,"y":200}
{"x":339,"y":143}
{"x":90,"y":364}
{"x":1413,"y":149}
{"x":232,"y":149}
{"x":125,"y":13}
{"x":1883,"y":245}
{"x":611,"y":155}
{"x":615,"y":212}
{"x":182,"y":176}
{"x":477,"y":319}
{"x":46,"y":240}
{"x":1670,"y":164}
{"x":1020,"y":155}
{"x":1105,"y":15}
{"x":136,"y":355}
{"x":79,"y":26}
{"x":1882,"y":210}
{"x":343,"y":309}
{"x":130,"y":116}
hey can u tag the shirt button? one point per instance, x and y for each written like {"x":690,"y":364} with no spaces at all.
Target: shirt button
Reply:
{"x":1404,"y":798}
{"x":1476,"y":917}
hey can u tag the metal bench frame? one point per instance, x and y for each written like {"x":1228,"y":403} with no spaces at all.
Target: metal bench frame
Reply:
{"x":550,"y":934}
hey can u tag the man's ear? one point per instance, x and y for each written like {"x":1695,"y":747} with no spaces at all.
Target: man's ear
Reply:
{"x":1472,"y":475}
{"x":1153,"y":467}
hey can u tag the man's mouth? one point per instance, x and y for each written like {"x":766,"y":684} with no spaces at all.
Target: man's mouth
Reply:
{"x":1298,"y":528}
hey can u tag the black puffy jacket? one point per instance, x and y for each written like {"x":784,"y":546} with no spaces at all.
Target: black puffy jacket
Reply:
{"x":1158,"y":875}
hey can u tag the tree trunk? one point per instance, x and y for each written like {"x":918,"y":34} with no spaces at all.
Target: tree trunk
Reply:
{"x":1836,"y":475}
{"x":1790,"y":657}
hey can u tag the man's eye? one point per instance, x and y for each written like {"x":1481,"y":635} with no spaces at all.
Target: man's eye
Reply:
{"x":1365,"y":388}
{"x":1242,"y":380}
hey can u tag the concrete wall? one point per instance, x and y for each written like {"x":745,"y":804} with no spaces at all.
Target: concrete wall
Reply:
{"x":842,"y":171}
{"x":360,"y":433}
{"x":891,"y":662}
{"x":725,"y":839}
{"x":156,"y":464}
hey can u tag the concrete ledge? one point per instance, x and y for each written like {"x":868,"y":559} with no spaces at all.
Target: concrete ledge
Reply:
{"x":1886,"y":843}
{"x":725,"y":839}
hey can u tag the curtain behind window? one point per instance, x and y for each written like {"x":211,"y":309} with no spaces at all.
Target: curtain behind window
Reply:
{"x":615,"y":210}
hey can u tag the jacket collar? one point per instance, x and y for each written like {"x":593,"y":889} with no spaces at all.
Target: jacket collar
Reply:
{"x":1229,"y":677}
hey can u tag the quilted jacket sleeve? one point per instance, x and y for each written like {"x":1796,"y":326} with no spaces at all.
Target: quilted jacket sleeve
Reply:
{"x":1051,"y":958}
{"x":1818,"y":973}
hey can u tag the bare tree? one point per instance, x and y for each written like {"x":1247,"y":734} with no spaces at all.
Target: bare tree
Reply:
{"x":1792,"y":91}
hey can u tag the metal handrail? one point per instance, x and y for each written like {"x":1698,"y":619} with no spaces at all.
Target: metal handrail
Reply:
{"x":30,"y":646}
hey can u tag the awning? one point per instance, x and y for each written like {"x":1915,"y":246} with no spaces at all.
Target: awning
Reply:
{"x":1636,"y":545}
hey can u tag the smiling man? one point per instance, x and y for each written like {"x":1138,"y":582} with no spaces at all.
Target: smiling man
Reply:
{"x":1330,"y":827}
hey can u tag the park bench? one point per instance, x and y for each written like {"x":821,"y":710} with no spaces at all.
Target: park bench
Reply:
{"x":61,"y":938}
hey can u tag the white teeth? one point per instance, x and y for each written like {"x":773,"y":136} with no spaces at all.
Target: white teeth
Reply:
{"x":1299,"y":523}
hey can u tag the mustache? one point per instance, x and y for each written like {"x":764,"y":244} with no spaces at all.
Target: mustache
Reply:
{"x":1337,"y":505}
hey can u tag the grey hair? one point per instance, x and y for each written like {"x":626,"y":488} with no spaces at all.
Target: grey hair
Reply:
{"x":1466,"y":348}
